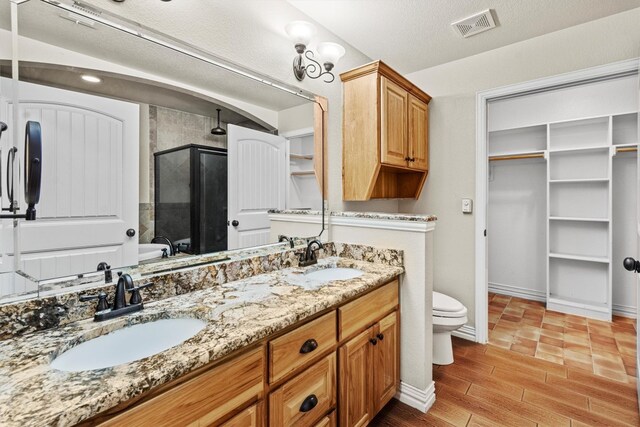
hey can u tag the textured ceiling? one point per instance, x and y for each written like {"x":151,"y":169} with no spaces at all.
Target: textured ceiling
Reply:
{"x":411,"y":35}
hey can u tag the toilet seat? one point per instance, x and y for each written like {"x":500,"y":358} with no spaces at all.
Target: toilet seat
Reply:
{"x":445,"y":306}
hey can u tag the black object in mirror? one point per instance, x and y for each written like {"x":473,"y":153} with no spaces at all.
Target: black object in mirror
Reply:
{"x":32,"y":167}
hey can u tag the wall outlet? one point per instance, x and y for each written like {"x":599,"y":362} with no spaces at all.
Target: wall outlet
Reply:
{"x":467,"y":205}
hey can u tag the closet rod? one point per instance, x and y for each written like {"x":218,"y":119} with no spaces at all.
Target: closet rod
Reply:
{"x":517,"y":157}
{"x":626,"y":149}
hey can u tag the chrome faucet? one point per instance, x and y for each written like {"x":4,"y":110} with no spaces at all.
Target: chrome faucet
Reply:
{"x":120,"y":306}
{"x":308,"y":257}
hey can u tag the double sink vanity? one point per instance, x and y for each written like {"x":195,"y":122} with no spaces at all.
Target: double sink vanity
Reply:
{"x":316,"y":345}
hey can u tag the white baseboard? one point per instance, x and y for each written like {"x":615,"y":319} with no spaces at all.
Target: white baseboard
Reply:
{"x":530,"y":294}
{"x":518,"y":292}
{"x":422,"y":400}
{"x":624,"y":310}
{"x":466,"y":333}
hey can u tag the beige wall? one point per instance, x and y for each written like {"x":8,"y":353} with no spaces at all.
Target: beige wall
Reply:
{"x":452,"y":126}
{"x":295,"y":118}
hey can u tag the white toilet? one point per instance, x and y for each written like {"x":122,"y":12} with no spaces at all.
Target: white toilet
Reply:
{"x":448,"y":315}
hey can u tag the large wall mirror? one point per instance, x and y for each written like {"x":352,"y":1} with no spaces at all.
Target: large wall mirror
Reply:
{"x":153,"y":151}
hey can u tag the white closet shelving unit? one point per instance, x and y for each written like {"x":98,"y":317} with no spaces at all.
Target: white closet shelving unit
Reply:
{"x":302,"y":188}
{"x":579,"y":192}
{"x":579,"y":155}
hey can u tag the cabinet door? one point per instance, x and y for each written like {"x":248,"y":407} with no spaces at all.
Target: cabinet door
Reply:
{"x":393,"y":123}
{"x":355,"y":381}
{"x":385,"y":361}
{"x":418,"y":150}
{"x":250,"y":417}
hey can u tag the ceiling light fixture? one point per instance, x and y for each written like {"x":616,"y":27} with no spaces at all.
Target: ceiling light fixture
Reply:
{"x":91,"y":79}
{"x":218,"y":130}
{"x":301,"y":33}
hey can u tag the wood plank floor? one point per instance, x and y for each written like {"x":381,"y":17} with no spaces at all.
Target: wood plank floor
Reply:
{"x":491,"y":386}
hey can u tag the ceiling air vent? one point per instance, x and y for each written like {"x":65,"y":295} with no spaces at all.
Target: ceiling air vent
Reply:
{"x":475,"y":24}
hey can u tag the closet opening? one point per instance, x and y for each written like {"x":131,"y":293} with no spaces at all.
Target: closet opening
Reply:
{"x":558,"y":197}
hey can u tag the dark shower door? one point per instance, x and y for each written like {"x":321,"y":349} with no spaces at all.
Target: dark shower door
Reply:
{"x":213,"y":200}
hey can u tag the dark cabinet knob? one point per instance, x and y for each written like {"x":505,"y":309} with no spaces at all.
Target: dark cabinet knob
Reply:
{"x":631,"y":264}
{"x":309,"y":403}
{"x":131,"y":232}
{"x":380,"y":336}
{"x":407,"y":159}
{"x":373,"y":341}
{"x":308,"y":346}
{"x":235,"y":223}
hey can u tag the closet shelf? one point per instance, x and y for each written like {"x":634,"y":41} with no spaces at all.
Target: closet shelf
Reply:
{"x":301,"y":156}
{"x":576,"y":303}
{"x":570,"y":218}
{"x":578,"y":180}
{"x":588,"y":148}
{"x":600,"y":259}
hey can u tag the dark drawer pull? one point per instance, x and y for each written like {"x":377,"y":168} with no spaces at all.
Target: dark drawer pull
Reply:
{"x":373,"y":341}
{"x":309,"y":403}
{"x":380,"y":336}
{"x":308,"y":346}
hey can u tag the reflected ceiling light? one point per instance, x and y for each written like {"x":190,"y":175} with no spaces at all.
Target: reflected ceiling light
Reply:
{"x":91,"y":79}
{"x":301,"y":33}
{"x":218,"y":130}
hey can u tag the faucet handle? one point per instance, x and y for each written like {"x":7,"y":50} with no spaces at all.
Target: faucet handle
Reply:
{"x":136,"y":298}
{"x":102,"y":300}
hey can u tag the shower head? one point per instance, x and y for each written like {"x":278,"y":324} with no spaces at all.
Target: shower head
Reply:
{"x":3,"y":127}
{"x":218,"y":130}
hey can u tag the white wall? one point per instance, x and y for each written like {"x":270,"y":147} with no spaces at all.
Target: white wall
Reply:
{"x":416,"y":296}
{"x":517,"y":220}
{"x":452,"y":126}
{"x":295,"y":118}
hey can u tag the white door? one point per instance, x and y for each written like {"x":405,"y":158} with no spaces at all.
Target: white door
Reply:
{"x":257,"y":168}
{"x":89,"y":195}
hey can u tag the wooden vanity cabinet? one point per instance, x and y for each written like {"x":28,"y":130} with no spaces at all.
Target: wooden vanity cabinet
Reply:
{"x":384,"y":136}
{"x":369,"y":372}
{"x":339,"y":368}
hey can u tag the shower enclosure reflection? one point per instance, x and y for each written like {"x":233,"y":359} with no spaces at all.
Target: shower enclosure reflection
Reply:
{"x":191,"y":198}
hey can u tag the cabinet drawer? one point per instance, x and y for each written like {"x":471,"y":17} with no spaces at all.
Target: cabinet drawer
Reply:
{"x":204,"y":399}
{"x":304,"y":399}
{"x":363,"y":312}
{"x":250,"y":417}
{"x":328,"y":421}
{"x":301,"y":345}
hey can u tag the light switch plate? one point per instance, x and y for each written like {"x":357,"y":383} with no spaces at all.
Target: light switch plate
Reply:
{"x":467,"y":205}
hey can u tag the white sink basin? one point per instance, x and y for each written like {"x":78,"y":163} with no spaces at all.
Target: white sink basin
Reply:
{"x":127,"y":345}
{"x":337,"y":273}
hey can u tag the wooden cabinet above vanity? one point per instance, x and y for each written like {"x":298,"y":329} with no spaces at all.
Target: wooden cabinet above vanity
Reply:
{"x":339,"y":367}
{"x":384,"y":134}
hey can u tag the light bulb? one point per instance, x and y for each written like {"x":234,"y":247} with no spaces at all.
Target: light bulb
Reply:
{"x":300,"y":32}
{"x":330,"y":53}
{"x":91,"y":79}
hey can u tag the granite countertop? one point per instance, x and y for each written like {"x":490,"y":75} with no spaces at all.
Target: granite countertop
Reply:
{"x":237,"y":313}
{"x":388,"y":216}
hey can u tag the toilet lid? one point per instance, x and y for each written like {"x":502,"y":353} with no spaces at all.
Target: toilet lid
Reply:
{"x":446,"y":304}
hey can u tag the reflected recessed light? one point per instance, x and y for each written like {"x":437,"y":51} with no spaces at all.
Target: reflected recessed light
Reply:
{"x":91,"y":79}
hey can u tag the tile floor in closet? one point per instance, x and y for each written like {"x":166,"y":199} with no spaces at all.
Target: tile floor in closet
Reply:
{"x":607,"y":349}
